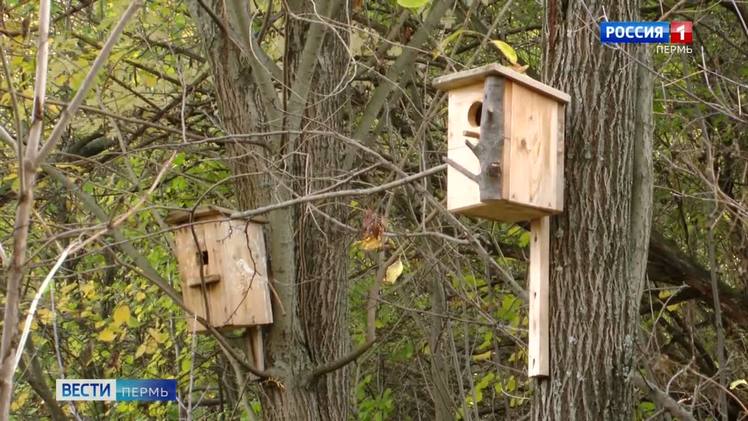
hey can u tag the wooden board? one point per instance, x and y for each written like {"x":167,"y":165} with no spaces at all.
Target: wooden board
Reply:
{"x":561,"y":128}
{"x":503,"y":210}
{"x":461,"y":191}
{"x":538,"y":355}
{"x":236,"y":256}
{"x":477,"y":75}
{"x":531,"y":163}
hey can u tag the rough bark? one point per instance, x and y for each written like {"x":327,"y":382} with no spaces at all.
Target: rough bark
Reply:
{"x":307,"y":250}
{"x":595,"y":285}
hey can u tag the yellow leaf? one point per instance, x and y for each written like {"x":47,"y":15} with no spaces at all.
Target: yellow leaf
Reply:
{"x":393,"y":272}
{"x":371,"y":243}
{"x":158,"y":336}
{"x":106,"y":335}
{"x":737,"y":383}
{"x":20,"y":399}
{"x":141,"y":350}
{"x":89,"y":290}
{"x":140,"y":296}
{"x":149,"y":80}
{"x":482,"y":357}
{"x":507,"y":50}
{"x":121,"y":315}
{"x":45,"y":315}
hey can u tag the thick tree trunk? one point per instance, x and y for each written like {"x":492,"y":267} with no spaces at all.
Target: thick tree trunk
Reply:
{"x":597,"y":262}
{"x":307,"y":249}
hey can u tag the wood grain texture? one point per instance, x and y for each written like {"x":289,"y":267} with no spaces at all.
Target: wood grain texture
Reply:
{"x":477,"y":75}
{"x":528,"y":150}
{"x":462,"y":192}
{"x":538,"y":359}
{"x":234,"y":274}
{"x":532,"y":149}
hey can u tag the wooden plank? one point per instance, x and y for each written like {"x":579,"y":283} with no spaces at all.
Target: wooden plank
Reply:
{"x":532,"y":157}
{"x":538,"y":355}
{"x":216,"y":292}
{"x":256,"y":347}
{"x":477,"y":75}
{"x":209,"y":279}
{"x":505,"y":211}
{"x":247,"y":301}
{"x":189,"y":269}
{"x":204,"y":213}
{"x":561,"y":132}
{"x":506,"y":153}
{"x":461,"y":190}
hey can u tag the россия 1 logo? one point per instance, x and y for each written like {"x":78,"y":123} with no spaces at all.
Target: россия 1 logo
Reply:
{"x":676,"y":32}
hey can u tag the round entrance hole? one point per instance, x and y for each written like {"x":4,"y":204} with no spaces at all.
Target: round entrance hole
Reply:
{"x":474,"y":113}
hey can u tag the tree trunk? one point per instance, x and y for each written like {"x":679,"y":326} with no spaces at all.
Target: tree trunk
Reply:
{"x":599,"y":242}
{"x":307,"y":250}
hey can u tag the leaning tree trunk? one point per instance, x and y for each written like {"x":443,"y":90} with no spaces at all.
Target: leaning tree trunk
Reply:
{"x":599,"y":242}
{"x":307,"y":249}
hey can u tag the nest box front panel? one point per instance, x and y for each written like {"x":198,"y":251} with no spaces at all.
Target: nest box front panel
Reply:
{"x":464,"y":112}
{"x":244,"y":264}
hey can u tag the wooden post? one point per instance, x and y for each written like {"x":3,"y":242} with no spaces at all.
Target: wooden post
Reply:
{"x":538,"y":339}
{"x":254,"y":339}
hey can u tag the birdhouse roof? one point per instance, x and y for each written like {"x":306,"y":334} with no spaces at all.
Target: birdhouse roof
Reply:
{"x":477,"y":75}
{"x":180,"y":216}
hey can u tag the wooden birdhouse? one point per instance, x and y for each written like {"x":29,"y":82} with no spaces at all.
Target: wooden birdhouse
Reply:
{"x":505,"y":144}
{"x":222,"y":263}
{"x":506,"y":162}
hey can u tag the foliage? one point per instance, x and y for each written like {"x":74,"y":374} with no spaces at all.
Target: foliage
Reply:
{"x":444,"y":314}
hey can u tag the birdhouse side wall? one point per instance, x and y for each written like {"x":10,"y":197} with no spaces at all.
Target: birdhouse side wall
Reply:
{"x":532,"y":163}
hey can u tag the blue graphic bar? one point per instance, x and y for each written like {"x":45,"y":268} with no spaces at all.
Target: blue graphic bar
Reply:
{"x":634,"y":32}
{"x":146,"y":390}
{"x":151,"y":390}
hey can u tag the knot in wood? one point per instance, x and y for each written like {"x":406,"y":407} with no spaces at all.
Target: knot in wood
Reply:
{"x":494,"y":169}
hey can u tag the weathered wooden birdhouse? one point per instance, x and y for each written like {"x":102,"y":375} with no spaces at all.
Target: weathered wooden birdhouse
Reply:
{"x":505,"y":144}
{"x":222,"y":263}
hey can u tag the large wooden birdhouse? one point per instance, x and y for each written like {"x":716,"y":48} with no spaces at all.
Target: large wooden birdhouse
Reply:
{"x":222,"y":263}
{"x":505,"y":144}
{"x":506,"y":163}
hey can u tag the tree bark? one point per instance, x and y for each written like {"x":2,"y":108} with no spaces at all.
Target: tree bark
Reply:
{"x":599,"y":242}
{"x":307,"y":249}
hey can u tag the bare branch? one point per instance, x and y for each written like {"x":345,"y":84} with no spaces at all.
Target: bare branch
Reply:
{"x":67,"y":115}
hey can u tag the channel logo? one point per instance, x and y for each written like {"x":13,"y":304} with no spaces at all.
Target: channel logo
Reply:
{"x":156,"y":390}
{"x":676,"y":32}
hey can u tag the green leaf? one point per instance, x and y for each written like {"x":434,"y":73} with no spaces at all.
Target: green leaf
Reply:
{"x":507,"y":50}
{"x":412,"y":4}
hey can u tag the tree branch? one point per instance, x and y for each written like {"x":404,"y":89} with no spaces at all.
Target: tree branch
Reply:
{"x":661,"y":399}
{"x":339,"y":193}
{"x":67,"y":115}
